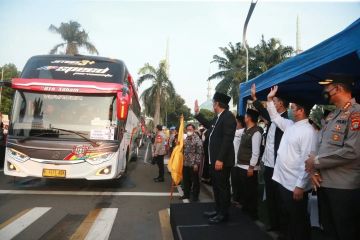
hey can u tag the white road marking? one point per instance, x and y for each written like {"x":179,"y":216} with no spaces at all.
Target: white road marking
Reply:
{"x":77,"y":193}
{"x":17,"y":226}
{"x":182,"y":193}
{"x":101,"y":228}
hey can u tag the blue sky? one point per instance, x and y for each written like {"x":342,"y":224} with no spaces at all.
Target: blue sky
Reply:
{"x":136,"y":31}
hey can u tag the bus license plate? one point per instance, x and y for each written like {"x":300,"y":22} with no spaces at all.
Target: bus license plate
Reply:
{"x":54,"y":173}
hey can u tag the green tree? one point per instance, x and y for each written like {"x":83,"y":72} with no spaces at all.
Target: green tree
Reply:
{"x":209,"y":115}
{"x":231,"y":70}
{"x":232,"y":65}
{"x":160,"y":91}
{"x":267,"y":54}
{"x":10,"y":71}
{"x":175,"y":109}
{"x":74,"y":38}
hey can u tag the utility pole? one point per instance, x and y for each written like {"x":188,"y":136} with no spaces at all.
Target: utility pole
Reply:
{"x":251,"y":9}
{"x":298,"y":36}
{"x":2,"y":78}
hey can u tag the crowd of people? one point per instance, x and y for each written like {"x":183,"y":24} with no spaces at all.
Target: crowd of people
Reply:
{"x":295,"y":157}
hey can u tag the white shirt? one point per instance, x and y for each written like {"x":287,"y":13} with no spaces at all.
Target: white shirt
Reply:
{"x":237,"y":139}
{"x":255,"y":144}
{"x":218,"y":116}
{"x":268,"y":157}
{"x":298,"y":141}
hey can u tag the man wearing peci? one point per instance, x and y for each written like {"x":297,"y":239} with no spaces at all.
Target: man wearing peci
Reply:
{"x":298,"y":141}
{"x":221,"y":154}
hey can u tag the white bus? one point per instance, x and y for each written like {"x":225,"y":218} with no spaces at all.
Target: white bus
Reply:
{"x":75,"y":117}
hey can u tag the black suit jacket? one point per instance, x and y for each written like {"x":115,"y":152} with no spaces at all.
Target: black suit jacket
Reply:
{"x":222,"y":137}
{"x":278,"y":132}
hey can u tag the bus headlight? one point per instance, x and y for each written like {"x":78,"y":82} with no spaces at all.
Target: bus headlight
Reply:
{"x":16,"y":155}
{"x":100,"y":158}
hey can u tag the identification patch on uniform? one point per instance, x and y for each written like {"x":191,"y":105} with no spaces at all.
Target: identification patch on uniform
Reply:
{"x":355,"y":121}
{"x":335,"y":137}
{"x":341,"y":121}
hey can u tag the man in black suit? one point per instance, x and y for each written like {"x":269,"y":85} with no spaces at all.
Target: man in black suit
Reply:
{"x":221,"y":154}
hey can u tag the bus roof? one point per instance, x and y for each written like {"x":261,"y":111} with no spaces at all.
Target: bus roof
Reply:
{"x":75,"y":67}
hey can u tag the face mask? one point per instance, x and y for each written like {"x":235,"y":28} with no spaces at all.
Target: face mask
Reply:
{"x":189,"y":134}
{"x":326,"y":96}
{"x":290,"y":113}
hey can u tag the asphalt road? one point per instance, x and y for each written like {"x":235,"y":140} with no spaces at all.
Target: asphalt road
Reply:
{"x":132,"y":208}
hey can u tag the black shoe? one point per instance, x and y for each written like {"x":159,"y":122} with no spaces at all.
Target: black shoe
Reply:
{"x":159,"y":180}
{"x":183,"y":197}
{"x":210,"y":214}
{"x":155,"y":178}
{"x":218,"y":219}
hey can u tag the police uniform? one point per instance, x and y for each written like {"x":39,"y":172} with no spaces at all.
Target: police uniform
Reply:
{"x":159,"y":150}
{"x":338,"y":162}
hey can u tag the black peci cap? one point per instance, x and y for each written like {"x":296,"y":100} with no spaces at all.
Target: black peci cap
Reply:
{"x":221,"y":97}
{"x":302,"y":102}
{"x":253,"y":114}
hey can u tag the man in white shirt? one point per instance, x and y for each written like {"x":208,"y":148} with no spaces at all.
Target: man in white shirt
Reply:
{"x":235,"y":171}
{"x":298,"y":141}
{"x":248,"y":163}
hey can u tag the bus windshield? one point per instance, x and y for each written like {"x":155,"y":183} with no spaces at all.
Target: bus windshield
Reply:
{"x":42,"y":115}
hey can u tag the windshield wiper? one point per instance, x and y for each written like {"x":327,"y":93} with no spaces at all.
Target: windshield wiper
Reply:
{"x":38,"y":135}
{"x":93,"y":143}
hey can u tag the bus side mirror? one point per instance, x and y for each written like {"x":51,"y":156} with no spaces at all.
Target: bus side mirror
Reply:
{"x":122,"y":103}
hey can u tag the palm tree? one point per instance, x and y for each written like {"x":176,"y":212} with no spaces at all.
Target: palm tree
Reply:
{"x":268,"y":54}
{"x":160,"y":92}
{"x":74,"y":38}
{"x":262,"y":57}
{"x":232,"y":70}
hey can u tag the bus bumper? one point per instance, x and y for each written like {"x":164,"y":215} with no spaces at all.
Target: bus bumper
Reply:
{"x":82,"y":170}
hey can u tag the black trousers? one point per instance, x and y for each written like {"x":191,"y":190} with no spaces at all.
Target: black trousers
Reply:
{"x":295,"y":213}
{"x":206,"y":168}
{"x":160,"y":162}
{"x":221,"y":188}
{"x":249,"y":191}
{"x":2,"y":156}
{"x":235,"y":185}
{"x":191,"y":182}
{"x":272,"y":199}
{"x":340,"y":213}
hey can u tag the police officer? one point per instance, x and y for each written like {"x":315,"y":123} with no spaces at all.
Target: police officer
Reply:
{"x":159,"y":151}
{"x":335,"y":169}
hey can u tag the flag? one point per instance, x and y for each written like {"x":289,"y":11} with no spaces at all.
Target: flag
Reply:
{"x":175,"y":164}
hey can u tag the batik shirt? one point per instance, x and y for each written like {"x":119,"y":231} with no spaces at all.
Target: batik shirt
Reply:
{"x":193,"y":150}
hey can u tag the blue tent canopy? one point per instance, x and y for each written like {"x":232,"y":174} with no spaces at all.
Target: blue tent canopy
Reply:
{"x":299,"y":75}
